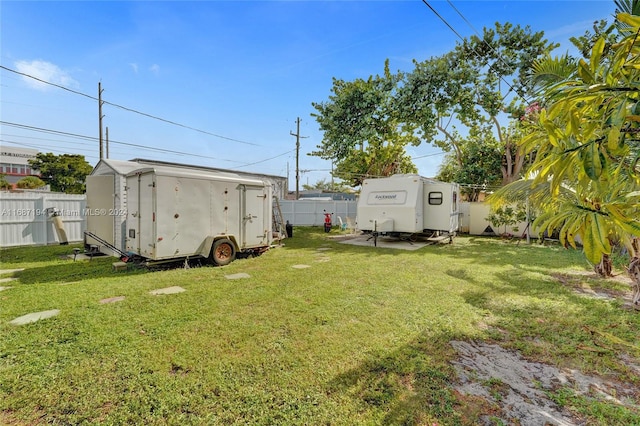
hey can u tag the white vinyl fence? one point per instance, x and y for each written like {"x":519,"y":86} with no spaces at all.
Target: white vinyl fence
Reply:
{"x":24,"y":220}
{"x":311,"y":212}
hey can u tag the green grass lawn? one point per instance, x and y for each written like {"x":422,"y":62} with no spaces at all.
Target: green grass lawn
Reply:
{"x":361,"y":336}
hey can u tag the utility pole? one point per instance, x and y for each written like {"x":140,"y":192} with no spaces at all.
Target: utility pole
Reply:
{"x":107,"y":141}
{"x":297,"y":135}
{"x":100,"y":116}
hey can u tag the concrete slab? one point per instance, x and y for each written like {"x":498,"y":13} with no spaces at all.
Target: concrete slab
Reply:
{"x":10,"y":271}
{"x":385,"y":242}
{"x":323,"y":248}
{"x":35,"y":316}
{"x":112,"y":299}
{"x":238,"y":276}
{"x":168,"y":290}
{"x":7,"y":280}
{"x":4,"y":288}
{"x":301,"y":266}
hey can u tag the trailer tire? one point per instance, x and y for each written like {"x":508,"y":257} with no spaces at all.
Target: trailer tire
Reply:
{"x":223,"y":252}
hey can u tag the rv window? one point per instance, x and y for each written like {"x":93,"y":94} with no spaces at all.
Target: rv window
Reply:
{"x":435,"y":198}
{"x":455,"y":201}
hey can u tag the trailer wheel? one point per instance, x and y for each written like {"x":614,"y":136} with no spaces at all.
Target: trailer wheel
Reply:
{"x":223,"y":252}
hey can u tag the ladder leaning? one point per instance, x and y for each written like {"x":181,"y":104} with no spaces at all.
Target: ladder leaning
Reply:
{"x":279,"y":225}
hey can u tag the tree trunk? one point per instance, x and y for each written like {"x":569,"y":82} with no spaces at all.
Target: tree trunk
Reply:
{"x":605,"y":266}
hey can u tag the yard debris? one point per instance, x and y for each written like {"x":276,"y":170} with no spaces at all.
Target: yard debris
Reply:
{"x":523,"y":398}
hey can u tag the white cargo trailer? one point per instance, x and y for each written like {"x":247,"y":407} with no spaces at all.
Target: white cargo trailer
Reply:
{"x":179,"y":213}
{"x":408,"y":205}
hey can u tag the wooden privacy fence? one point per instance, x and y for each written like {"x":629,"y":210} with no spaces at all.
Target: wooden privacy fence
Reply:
{"x":24,"y":220}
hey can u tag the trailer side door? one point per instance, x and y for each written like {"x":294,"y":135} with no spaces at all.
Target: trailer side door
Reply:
{"x":255,"y":216}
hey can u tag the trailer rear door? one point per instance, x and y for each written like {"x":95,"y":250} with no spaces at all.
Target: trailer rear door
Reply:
{"x":100,"y":208}
{"x":256,"y":216}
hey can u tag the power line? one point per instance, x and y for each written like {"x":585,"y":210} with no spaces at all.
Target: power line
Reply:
{"x":90,"y":138}
{"x":480,"y":37}
{"x":262,"y":161}
{"x":126,"y":108}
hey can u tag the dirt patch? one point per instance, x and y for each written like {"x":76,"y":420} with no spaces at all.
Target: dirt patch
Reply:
{"x":519,"y":387}
{"x":591,"y":285}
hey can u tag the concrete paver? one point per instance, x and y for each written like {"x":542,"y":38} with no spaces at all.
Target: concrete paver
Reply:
{"x":34,"y":316}
{"x":168,"y":290}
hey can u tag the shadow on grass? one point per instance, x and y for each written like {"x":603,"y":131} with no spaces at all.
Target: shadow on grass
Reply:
{"x":35,"y":254}
{"x":71,"y":271}
{"x":411,"y":384}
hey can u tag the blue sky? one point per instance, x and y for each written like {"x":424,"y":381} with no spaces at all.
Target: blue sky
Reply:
{"x":234,"y":75}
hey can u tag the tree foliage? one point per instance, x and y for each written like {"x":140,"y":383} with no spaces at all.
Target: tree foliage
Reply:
{"x":4,"y":183}
{"x":64,"y":173}
{"x":362,"y":132}
{"x":473,"y":86}
{"x":30,"y":182}
{"x":445,"y":100}
{"x":587,"y":146}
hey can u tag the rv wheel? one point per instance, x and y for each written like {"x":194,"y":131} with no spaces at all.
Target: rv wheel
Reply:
{"x":223,"y":252}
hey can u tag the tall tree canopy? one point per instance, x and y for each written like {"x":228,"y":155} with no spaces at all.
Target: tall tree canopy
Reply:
{"x":362,"y":132}
{"x":446,"y":100}
{"x":469,"y":90}
{"x":64,"y":173}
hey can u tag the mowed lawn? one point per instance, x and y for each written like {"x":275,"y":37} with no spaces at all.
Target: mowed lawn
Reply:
{"x":360,"y":336}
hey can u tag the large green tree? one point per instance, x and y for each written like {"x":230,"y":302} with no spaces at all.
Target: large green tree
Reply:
{"x":64,"y":173}
{"x":479,"y":168}
{"x":471,"y":88}
{"x":362,"y":133}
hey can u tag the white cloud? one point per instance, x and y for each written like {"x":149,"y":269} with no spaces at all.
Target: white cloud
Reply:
{"x":134,"y":67}
{"x":45,"y":72}
{"x":155,"y":68}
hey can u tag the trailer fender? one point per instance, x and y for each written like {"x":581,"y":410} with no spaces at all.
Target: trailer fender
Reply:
{"x":210,"y":243}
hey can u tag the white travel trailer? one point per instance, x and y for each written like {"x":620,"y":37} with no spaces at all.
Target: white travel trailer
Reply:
{"x":408,"y":205}
{"x":180,"y":213}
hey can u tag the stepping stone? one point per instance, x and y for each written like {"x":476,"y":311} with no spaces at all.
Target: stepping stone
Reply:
{"x":168,"y":290}
{"x":323,"y":248}
{"x":301,"y":266}
{"x":323,"y":259}
{"x":239,"y":276}
{"x":35,"y":316}
{"x":112,"y":299}
{"x":4,"y":288}
{"x":10,"y":271}
{"x":7,"y":280}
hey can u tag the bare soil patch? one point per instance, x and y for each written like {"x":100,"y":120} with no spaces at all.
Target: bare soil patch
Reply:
{"x":518,"y":387}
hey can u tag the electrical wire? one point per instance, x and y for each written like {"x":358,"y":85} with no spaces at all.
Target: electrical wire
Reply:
{"x":521,"y":95}
{"x":94,"y":139}
{"x":127,"y":108}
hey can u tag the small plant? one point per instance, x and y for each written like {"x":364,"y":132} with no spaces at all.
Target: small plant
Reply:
{"x":507,"y":216}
